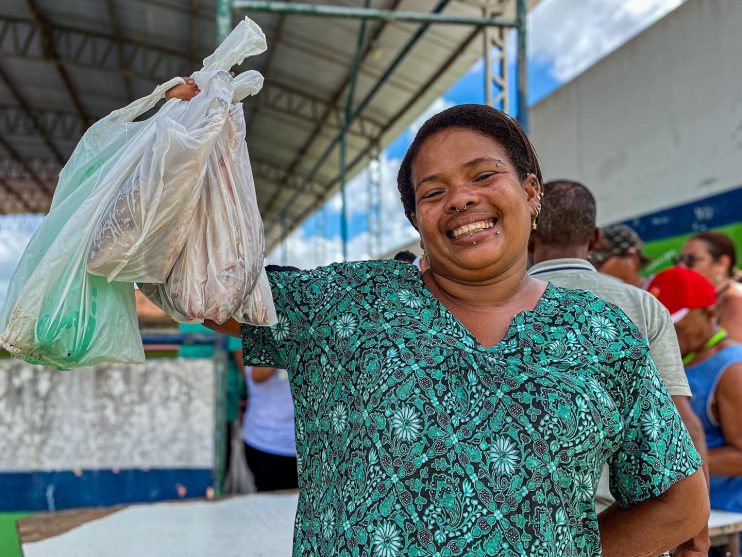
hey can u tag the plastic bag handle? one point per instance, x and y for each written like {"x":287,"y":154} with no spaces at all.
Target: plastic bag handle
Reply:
{"x":140,"y":106}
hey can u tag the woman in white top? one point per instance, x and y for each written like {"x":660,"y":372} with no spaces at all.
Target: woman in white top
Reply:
{"x":268,"y":425}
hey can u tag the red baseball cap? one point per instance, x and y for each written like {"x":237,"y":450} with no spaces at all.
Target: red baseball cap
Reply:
{"x":680,"y":289}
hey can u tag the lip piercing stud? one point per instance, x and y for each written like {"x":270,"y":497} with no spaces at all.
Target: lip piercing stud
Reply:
{"x":474,"y":243}
{"x":497,"y":231}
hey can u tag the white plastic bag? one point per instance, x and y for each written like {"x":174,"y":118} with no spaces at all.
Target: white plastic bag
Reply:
{"x":219,"y":268}
{"x":55,"y":313}
{"x":144,"y":227}
{"x":239,"y":480}
{"x":141,"y":230}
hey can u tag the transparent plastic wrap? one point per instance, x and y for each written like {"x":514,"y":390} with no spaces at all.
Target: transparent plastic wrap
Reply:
{"x":145,"y":225}
{"x":222,"y":260}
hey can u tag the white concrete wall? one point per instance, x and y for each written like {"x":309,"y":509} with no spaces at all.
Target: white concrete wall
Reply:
{"x":657,"y":123}
{"x":156,"y":415}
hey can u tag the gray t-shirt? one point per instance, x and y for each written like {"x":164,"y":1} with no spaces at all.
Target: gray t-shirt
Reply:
{"x":647,"y":313}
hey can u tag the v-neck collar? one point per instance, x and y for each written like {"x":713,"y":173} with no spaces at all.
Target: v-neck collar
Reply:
{"x":449,"y":316}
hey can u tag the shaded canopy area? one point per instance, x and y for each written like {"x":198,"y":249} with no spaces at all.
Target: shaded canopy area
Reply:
{"x":64,"y":65}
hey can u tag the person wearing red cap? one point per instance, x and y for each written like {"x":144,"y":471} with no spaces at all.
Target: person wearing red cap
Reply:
{"x":714,"y":367}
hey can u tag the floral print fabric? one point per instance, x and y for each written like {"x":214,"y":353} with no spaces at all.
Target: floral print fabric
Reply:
{"x":415,"y":440}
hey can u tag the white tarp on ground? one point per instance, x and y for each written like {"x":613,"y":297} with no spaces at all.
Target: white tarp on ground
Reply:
{"x":255,"y":525}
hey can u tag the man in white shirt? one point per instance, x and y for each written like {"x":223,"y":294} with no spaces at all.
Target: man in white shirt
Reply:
{"x":559,"y":250}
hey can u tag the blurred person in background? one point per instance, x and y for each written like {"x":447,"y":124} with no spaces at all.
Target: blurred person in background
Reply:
{"x":618,"y":253}
{"x":714,"y":256}
{"x":559,"y":249}
{"x":714,"y":367}
{"x":405,"y":256}
{"x":268,"y":424}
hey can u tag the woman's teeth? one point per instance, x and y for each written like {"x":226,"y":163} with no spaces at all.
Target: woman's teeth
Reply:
{"x":472,"y":228}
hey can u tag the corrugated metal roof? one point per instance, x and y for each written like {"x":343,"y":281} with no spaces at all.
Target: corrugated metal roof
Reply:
{"x":65,"y":64}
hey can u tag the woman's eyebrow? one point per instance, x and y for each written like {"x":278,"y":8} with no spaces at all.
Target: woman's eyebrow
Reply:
{"x":430,"y":178}
{"x":479,"y":160}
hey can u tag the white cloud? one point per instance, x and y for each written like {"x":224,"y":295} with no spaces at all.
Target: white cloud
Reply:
{"x":15,"y":233}
{"x":439,"y":105}
{"x":570,"y":35}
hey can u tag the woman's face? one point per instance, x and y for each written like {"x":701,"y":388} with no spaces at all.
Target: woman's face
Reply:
{"x":458,"y":168}
{"x":696,"y":256}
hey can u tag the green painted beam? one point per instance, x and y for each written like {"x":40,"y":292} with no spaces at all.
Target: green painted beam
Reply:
{"x":223,"y":19}
{"x":324,"y":10}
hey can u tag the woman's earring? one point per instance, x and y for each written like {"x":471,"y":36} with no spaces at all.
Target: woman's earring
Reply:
{"x":534,"y":224}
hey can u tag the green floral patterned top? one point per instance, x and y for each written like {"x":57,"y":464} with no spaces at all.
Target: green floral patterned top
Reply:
{"x":413,"y":439}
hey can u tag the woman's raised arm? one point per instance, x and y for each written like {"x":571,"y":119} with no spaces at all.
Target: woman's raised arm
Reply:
{"x":229,"y":327}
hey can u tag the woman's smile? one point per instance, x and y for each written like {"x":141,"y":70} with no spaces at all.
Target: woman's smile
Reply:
{"x":472,"y":228}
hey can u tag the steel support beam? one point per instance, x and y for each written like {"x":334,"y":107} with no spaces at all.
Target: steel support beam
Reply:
{"x":11,"y":193}
{"x":344,"y":232}
{"x":330,"y":108}
{"x":19,"y":38}
{"x":50,"y":125}
{"x":50,"y":54}
{"x":33,"y":119}
{"x":495,"y":68}
{"x":286,"y":100}
{"x":323,"y":10}
{"x":193,"y":33}
{"x":30,"y":171}
{"x":116,"y":32}
{"x":374,"y":209}
{"x":223,"y":20}
{"x":46,"y":170}
{"x":275,"y":173}
{"x":390,"y":124}
{"x":265,"y":70}
{"x":522,"y":12}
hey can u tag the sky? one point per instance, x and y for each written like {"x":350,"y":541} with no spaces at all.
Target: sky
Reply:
{"x":565,"y":38}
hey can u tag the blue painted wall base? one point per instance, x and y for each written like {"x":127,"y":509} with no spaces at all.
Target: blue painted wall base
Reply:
{"x":49,"y":491}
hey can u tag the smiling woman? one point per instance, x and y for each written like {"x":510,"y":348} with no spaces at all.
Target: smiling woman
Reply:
{"x":468,"y":410}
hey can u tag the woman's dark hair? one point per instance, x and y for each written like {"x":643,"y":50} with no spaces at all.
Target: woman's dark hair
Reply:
{"x":479,"y":118}
{"x":719,"y":244}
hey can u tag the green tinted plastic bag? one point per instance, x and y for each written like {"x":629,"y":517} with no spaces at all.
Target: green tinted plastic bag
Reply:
{"x":56,"y":313}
